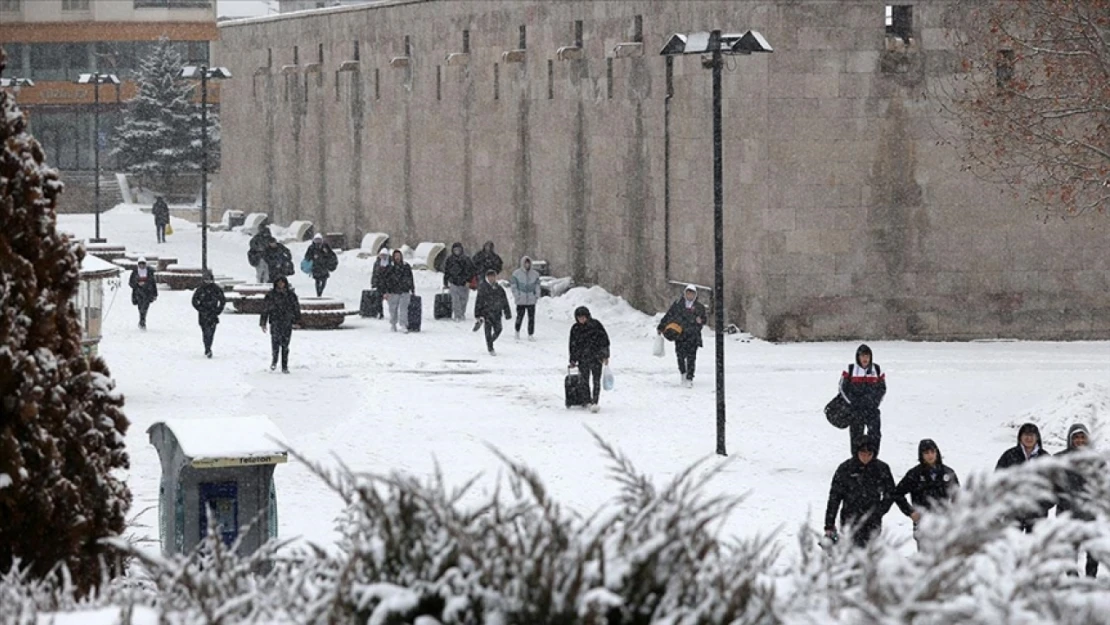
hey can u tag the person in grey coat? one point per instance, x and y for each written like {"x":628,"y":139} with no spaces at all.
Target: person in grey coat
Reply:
{"x":525,"y":284}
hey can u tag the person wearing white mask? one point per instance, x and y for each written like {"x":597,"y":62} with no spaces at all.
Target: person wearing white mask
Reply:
{"x":144,"y":289}
{"x":682,"y":324}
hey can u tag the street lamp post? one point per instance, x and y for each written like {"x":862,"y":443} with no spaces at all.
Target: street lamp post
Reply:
{"x":96,"y":79}
{"x":205,"y":74}
{"x":715,"y":44}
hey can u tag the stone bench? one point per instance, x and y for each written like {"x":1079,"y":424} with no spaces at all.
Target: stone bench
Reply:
{"x":180,"y":278}
{"x":248,"y":298}
{"x":323,"y":313}
{"x":106,"y":251}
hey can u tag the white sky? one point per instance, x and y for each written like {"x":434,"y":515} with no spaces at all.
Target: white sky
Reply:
{"x":245,"y":8}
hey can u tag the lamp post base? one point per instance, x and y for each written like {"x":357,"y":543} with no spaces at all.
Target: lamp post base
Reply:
{"x":96,"y":240}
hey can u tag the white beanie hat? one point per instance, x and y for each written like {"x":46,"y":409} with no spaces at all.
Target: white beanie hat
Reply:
{"x":318,"y":237}
{"x":142,"y":260}
{"x":690,"y":287}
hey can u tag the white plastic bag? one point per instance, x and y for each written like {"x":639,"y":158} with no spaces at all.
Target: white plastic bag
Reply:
{"x":657,"y":349}
{"x":607,"y":378}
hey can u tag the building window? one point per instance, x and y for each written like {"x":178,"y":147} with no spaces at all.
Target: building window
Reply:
{"x":1004,"y":68}
{"x":638,"y":28}
{"x":377,"y":84}
{"x":439,"y":82}
{"x":10,"y":6}
{"x":408,"y":46}
{"x":466,"y":42}
{"x":578,"y":33}
{"x":296,"y":55}
{"x":496,"y":81}
{"x":75,"y":5}
{"x":356,"y":52}
{"x":609,"y":77}
{"x":550,"y":79}
{"x":16,"y":67}
{"x":899,"y":21}
{"x":320,"y":53}
{"x":523,"y":37}
{"x":48,"y":61}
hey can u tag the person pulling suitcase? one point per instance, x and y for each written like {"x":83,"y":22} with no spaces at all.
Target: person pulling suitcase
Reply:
{"x":589,"y":351}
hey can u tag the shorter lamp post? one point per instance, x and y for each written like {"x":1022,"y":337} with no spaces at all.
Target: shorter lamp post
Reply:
{"x":205,"y":74}
{"x":96,"y":79}
{"x":716,"y":44}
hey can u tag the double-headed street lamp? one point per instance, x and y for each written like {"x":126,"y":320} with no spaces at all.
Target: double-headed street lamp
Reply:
{"x":96,"y":79}
{"x":16,"y":83}
{"x":205,"y":74}
{"x":716,"y":44}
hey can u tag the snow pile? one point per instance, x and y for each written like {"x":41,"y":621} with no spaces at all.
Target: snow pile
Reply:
{"x":1086,"y":403}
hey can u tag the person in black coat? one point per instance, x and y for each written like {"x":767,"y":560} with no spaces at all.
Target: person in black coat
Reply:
{"x":488,"y":308}
{"x":1028,"y":448}
{"x":397,"y":286}
{"x":144,"y":289}
{"x":324,"y":261}
{"x":282,"y":310}
{"x":927,"y":483}
{"x":1075,"y":499}
{"x":589,"y":350}
{"x":863,"y":491}
{"x":278,"y":259}
{"x":209,"y":302}
{"x":161,"y":212}
{"x":256,"y":252}
{"x":487,"y":259}
{"x":863,"y":385}
{"x":458,"y":270}
{"x":381,"y":266}
{"x":689,"y":314}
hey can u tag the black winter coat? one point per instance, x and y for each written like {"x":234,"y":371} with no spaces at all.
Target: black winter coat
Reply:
{"x":397,"y":279}
{"x":862,"y":492}
{"x":1015,"y":456}
{"x":279,"y":260}
{"x":324,"y":260}
{"x":161,"y":212}
{"x":589,"y":342}
{"x":926,"y":485}
{"x":143,"y":290}
{"x":687,"y":318}
{"x":1074,"y":498}
{"x":378,"y":273}
{"x":485,"y":260}
{"x":492,"y":302}
{"x":209,"y":302}
{"x":281,"y":310}
{"x":257,"y":247}
{"x":458,"y":269}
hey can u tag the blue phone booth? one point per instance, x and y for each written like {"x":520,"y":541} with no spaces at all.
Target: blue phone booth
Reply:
{"x":223,"y":467}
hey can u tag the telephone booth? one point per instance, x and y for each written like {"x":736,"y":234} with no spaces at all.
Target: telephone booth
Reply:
{"x":89,"y":300}
{"x":221,"y":466}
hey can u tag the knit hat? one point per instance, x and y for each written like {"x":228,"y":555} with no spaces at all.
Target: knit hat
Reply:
{"x":142,"y":260}
{"x":690,"y":287}
{"x":865,"y":443}
{"x":317,"y":237}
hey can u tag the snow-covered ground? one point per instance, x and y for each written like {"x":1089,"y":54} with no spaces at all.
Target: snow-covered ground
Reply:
{"x":381,"y":401}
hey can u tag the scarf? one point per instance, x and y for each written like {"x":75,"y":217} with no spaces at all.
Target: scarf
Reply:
{"x":142,"y":272}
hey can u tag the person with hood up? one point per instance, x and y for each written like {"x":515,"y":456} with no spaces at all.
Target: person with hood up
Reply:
{"x":381,"y":266}
{"x":689,"y":314}
{"x":1028,"y":448}
{"x":927,"y":483}
{"x":323,"y":259}
{"x":863,"y":491}
{"x":525,"y":283}
{"x":256,"y":251}
{"x":144,"y":289}
{"x":397,"y":287}
{"x":458,"y":270}
{"x":1074,"y":498}
{"x":489,"y":306}
{"x":282,"y":310}
{"x":589,"y":351}
{"x":487,"y":259}
{"x":863,"y":385}
{"x":278,"y":259}
{"x":209,"y":302}
{"x":161,"y":212}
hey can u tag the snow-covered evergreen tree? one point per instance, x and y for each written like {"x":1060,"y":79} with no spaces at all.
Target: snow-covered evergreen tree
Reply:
{"x":160,"y":134}
{"x":61,"y":424}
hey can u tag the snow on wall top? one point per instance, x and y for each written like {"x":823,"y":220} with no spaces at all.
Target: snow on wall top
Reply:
{"x":225,"y":437}
{"x":93,"y":265}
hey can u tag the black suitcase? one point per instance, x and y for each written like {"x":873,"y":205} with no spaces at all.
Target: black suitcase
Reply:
{"x":577,"y":389}
{"x":441,"y":309}
{"x":415,"y":313}
{"x":371,"y":304}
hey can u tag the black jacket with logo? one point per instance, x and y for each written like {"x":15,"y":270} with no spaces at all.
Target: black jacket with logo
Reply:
{"x":862,"y":492}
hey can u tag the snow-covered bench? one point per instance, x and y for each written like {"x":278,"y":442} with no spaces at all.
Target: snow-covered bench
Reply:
{"x":253,"y":222}
{"x":429,"y":256}
{"x":372,"y":243}
{"x":301,"y":230}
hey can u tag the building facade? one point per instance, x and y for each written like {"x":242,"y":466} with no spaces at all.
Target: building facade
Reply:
{"x":288,"y":6}
{"x":555,"y":128}
{"x":52,"y":42}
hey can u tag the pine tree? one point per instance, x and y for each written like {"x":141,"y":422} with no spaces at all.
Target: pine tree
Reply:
{"x":160,"y":133}
{"x":61,"y":421}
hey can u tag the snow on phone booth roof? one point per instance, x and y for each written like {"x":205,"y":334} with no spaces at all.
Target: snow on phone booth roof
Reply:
{"x":222,"y":465}
{"x":89,"y":300}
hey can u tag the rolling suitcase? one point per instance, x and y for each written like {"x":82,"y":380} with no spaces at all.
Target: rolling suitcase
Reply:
{"x":415,"y":313}
{"x":371,"y":304}
{"x":441,"y":309}
{"x":576,"y":388}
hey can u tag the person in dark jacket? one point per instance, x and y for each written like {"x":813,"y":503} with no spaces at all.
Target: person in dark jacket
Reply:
{"x":927,"y":483}
{"x":397,"y":288}
{"x":324,"y":261}
{"x":209,"y":302}
{"x":689,"y":314}
{"x":487,"y":259}
{"x":256,"y":254}
{"x":278,"y":259}
{"x":282,"y":310}
{"x":161,"y":212}
{"x":1075,"y":499}
{"x":589,"y":351}
{"x":381,"y":266}
{"x":863,"y":491}
{"x":458,"y":270}
{"x":863,"y":385}
{"x":489,"y":306}
{"x":1028,"y":448}
{"x":144,"y":289}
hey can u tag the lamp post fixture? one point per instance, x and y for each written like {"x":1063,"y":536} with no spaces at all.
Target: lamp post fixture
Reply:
{"x":96,"y":79}
{"x":717,"y":45}
{"x":205,"y":74}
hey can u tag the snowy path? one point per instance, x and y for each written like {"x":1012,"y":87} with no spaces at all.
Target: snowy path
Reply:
{"x":383,"y":401}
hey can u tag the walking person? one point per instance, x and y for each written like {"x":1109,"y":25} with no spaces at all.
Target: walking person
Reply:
{"x":863,"y":385}
{"x":397,"y":286}
{"x":256,"y":254}
{"x":144,"y":289}
{"x":209,"y":302}
{"x":1028,"y":448}
{"x":458,"y":270}
{"x":863,"y":491}
{"x":381,"y":266}
{"x":589,"y":351}
{"x":927,"y":483}
{"x":278,"y":259}
{"x":1075,"y":499}
{"x":488,"y":308}
{"x":525,"y":283}
{"x":282,"y":310}
{"x":161,"y":212}
{"x":689,"y":315}
{"x":486,"y":259}
{"x":324,"y":261}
